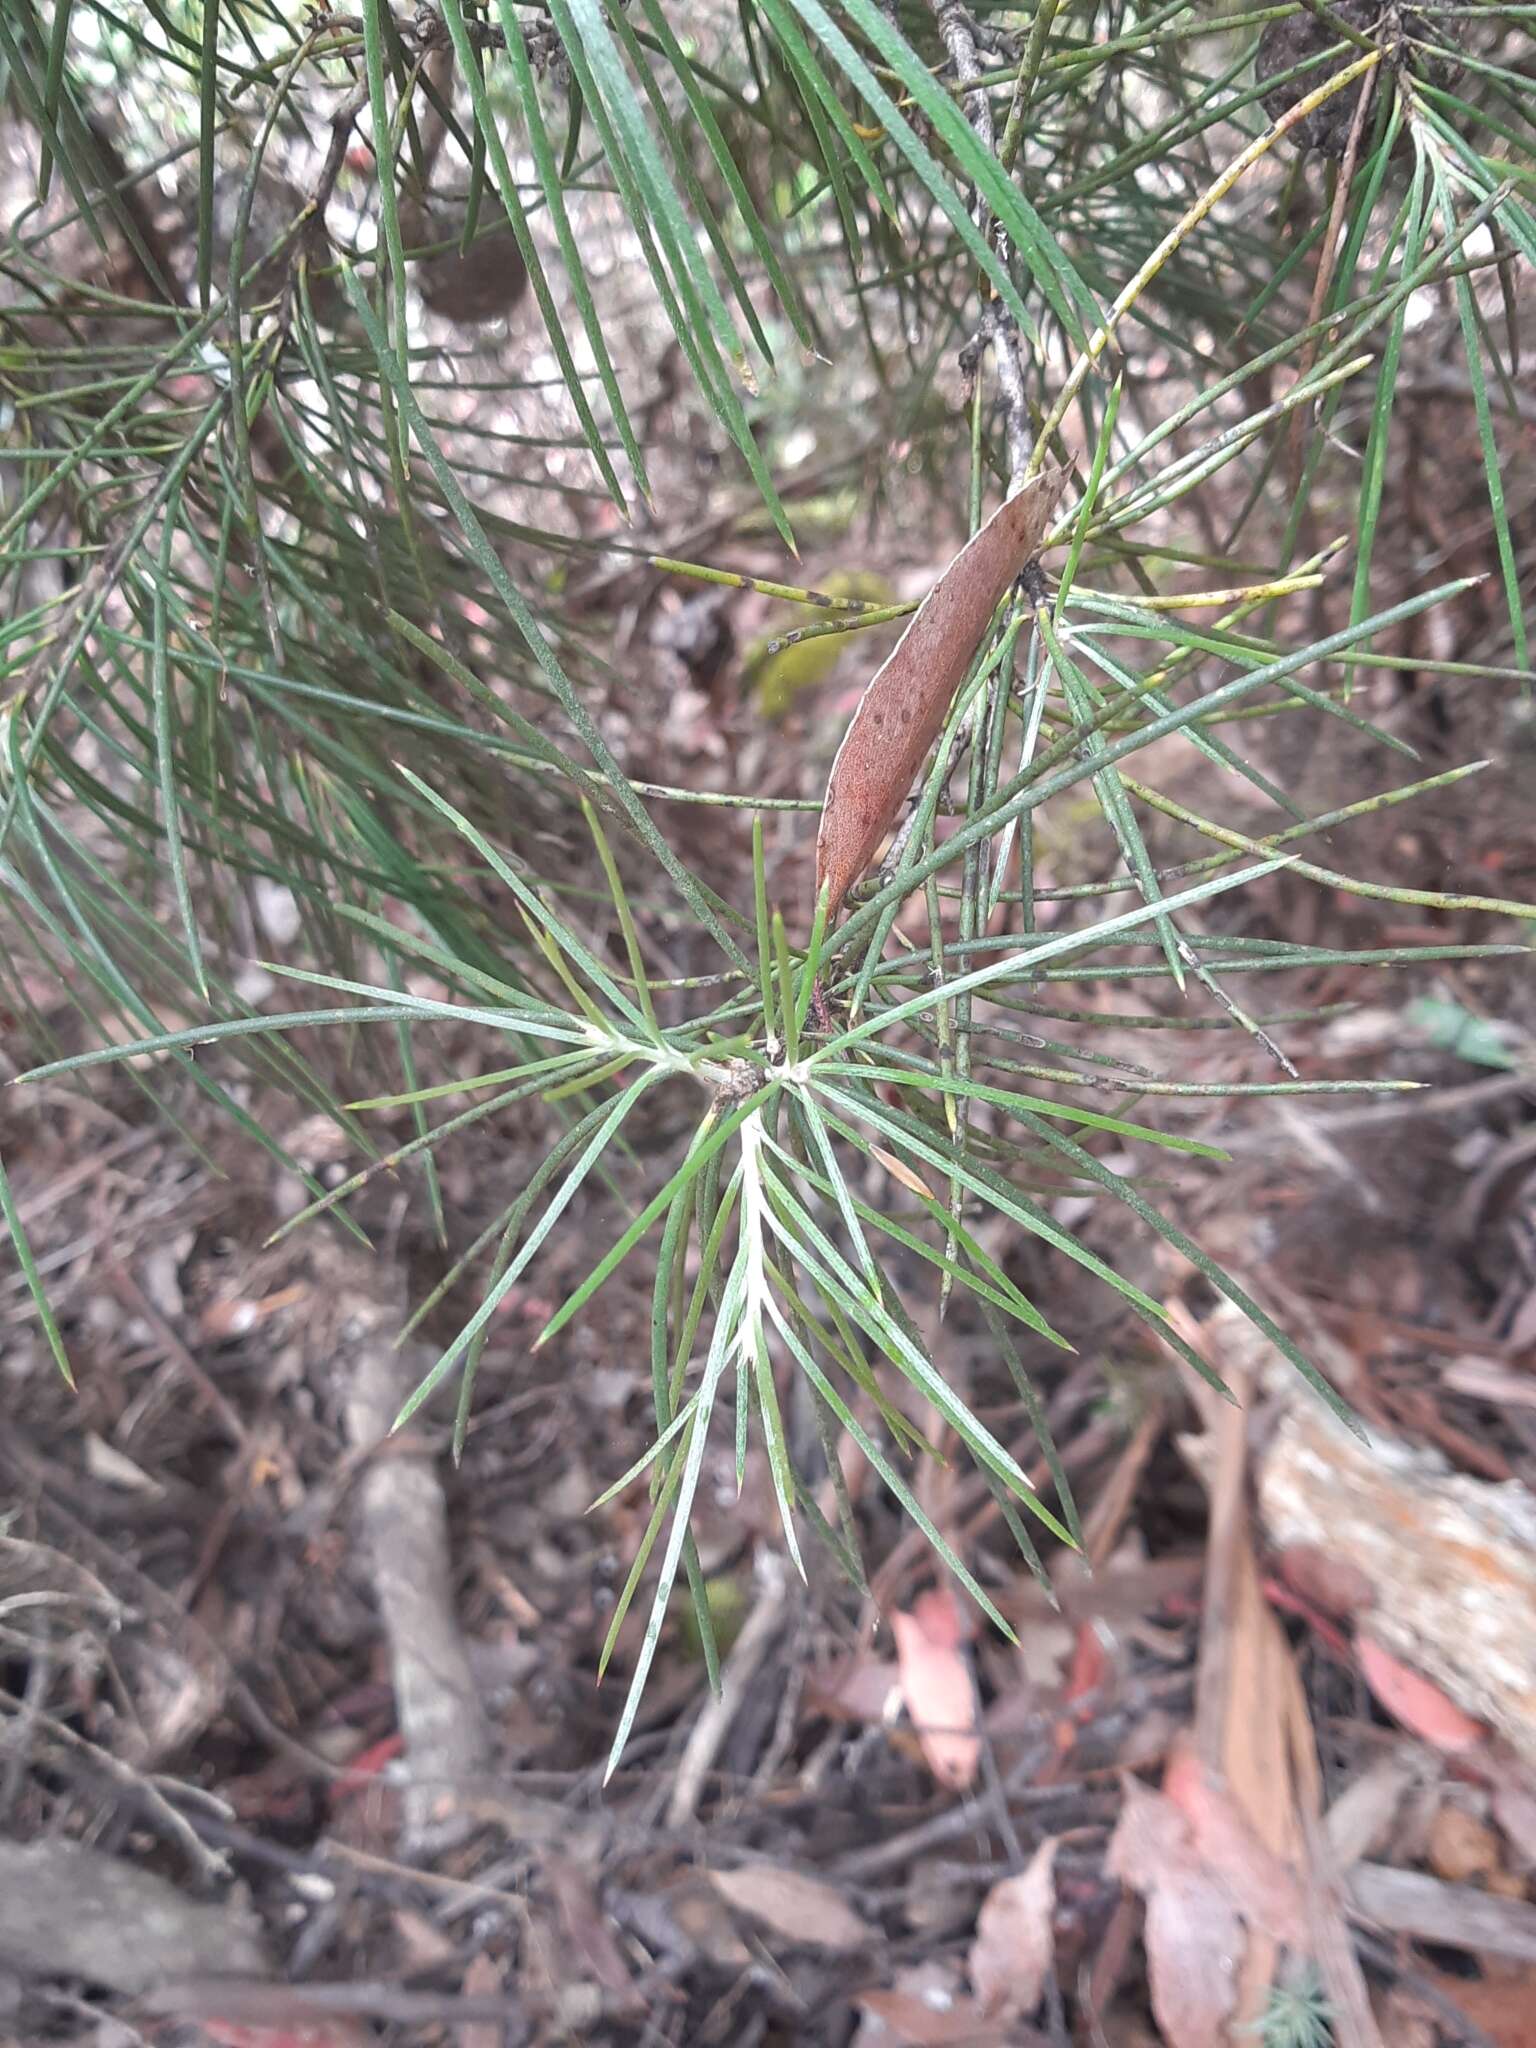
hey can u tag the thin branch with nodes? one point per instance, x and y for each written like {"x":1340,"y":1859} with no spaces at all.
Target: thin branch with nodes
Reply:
{"x":957,"y":31}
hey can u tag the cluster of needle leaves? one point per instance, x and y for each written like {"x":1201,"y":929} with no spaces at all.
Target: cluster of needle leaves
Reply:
{"x":289,"y":566}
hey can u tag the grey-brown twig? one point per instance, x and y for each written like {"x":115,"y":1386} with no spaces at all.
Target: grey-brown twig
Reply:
{"x":958,"y":34}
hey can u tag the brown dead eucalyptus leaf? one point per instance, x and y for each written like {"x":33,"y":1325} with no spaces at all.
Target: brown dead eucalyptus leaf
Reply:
{"x":1212,"y":1886}
{"x":902,"y":711}
{"x":925,"y":2009}
{"x":483,"y":1978}
{"x":1503,"y":2007}
{"x":1260,"y":1884}
{"x":1247,"y":1780}
{"x":593,"y":1951}
{"x":939,"y":1690}
{"x":1015,"y":1937}
{"x":1194,"y":1937}
{"x":1416,"y":1702}
{"x":798,"y":1909}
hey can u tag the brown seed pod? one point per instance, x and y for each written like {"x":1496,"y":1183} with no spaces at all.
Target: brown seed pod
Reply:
{"x":476,"y":287}
{"x":1401,"y":33}
{"x":902,"y":711}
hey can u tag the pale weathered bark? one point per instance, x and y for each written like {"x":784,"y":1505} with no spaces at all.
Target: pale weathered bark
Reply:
{"x":1449,"y":1561}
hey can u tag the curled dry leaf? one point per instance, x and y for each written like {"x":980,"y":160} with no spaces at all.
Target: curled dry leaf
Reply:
{"x":940,"y":1696}
{"x":1015,"y":1942}
{"x":901,"y":713}
{"x":800,"y":1910}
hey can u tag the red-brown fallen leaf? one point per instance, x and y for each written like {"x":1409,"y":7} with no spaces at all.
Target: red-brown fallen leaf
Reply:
{"x":1503,"y":2007}
{"x":906,"y":2019}
{"x":1205,"y":1874}
{"x":1015,"y":1937}
{"x":798,"y":1909}
{"x":1326,"y":1578}
{"x":1416,"y":1702}
{"x":1089,"y":1666}
{"x":1406,"y":2018}
{"x":902,"y":711}
{"x":1330,"y":1637}
{"x":1261,"y":1885}
{"x":365,"y":1769}
{"x":920,"y":1993}
{"x":944,"y":1616}
{"x":1194,"y":1938}
{"x":483,"y":1978}
{"x":941,"y":1698}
